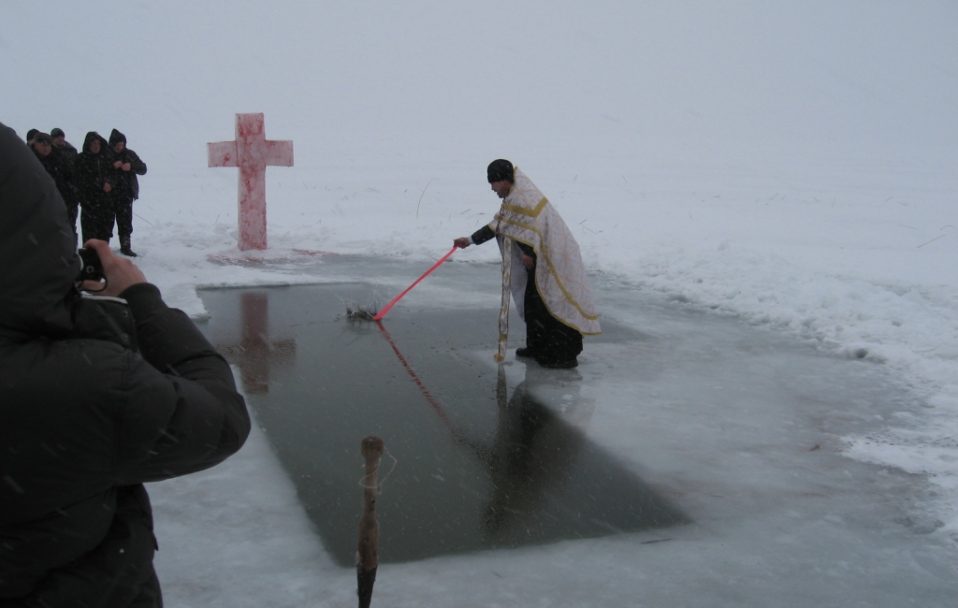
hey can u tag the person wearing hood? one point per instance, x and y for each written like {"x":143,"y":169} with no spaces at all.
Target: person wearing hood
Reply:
{"x":127,"y":165}
{"x":98,"y":395}
{"x":59,"y":169}
{"x":94,"y":177}
{"x":542,"y":268}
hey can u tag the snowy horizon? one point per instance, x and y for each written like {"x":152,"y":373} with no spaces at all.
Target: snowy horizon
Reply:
{"x":789,"y":164}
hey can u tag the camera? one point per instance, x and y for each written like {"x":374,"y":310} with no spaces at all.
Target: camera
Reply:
{"x":91,"y":269}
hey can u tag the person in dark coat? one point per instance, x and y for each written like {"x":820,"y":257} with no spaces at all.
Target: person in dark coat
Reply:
{"x":94,"y":177}
{"x":60,"y":170}
{"x":65,"y":148}
{"x":69,"y":155}
{"x":61,"y":144}
{"x":98,"y":394}
{"x":127,"y":165}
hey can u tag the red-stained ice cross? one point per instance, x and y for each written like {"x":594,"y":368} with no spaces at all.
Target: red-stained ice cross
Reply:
{"x":251,"y":152}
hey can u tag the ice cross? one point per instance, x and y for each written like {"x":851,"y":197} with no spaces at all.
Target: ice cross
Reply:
{"x":251,"y":152}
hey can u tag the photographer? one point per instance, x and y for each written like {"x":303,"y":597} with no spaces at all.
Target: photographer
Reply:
{"x":98,"y":394}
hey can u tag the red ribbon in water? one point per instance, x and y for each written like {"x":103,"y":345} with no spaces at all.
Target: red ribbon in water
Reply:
{"x":382,"y":313}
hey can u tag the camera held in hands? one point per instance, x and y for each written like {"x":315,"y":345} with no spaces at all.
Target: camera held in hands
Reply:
{"x":91,"y":269}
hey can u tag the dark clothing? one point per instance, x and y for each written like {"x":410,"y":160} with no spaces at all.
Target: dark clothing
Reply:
{"x":92,"y":172}
{"x":60,"y":170}
{"x":69,"y":155}
{"x":68,"y":151}
{"x":482,"y":235}
{"x":97,"y":396}
{"x":96,"y":220}
{"x":127,"y":183}
{"x":123,"y":212}
{"x":127,"y":187}
{"x":549,"y":340}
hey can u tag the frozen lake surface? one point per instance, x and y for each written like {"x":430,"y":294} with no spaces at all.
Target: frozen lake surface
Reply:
{"x":690,"y":460}
{"x":473,"y":463}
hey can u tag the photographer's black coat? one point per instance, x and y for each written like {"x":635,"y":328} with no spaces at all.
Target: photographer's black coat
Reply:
{"x":97,"y":396}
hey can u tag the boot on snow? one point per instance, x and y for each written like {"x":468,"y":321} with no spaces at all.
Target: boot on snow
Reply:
{"x":125,"y":248}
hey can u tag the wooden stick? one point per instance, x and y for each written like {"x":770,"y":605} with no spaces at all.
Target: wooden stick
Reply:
{"x":367,"y":550}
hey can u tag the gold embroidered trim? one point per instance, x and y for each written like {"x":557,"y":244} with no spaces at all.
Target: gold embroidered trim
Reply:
{"x":534,"y":212}
{"x":550,"y":268}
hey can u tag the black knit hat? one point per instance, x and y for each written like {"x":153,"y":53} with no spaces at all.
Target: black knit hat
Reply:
{"x":56,"y":132}
{"x":31,"y":133}
{"x":500,"y":170}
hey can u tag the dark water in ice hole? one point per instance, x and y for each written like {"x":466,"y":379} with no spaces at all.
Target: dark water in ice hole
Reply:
{"x":472,"y":463}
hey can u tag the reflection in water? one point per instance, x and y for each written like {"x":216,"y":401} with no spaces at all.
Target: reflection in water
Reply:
{"x":531,"y":454}
{"x":255,"y":352}
{"x":479,"y":466}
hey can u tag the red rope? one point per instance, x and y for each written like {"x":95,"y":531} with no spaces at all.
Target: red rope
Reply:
{"x":436,"y":405}
{"x":382,"y":313}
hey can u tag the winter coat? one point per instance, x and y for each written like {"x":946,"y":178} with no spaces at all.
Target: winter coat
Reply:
{"x":91,"y":171}
{"x":127,"y":184}
{"x":68,"y":151}
{"x":59,"y":169}
{"x":97,"y":396}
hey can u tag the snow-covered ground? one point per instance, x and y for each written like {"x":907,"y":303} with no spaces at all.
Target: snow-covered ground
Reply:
{"x":789,"y":163}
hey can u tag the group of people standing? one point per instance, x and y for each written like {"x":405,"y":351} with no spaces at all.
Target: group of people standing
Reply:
{"x":98,"y":183}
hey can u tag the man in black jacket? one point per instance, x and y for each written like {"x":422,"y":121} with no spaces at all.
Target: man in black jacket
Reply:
{"x":60,"y":143}
{"x":94,"y":178}
{"x":127,"y":165}
{"x":60,"y":170}
{"x":98,"y":394}
{"x":69,"y":155}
